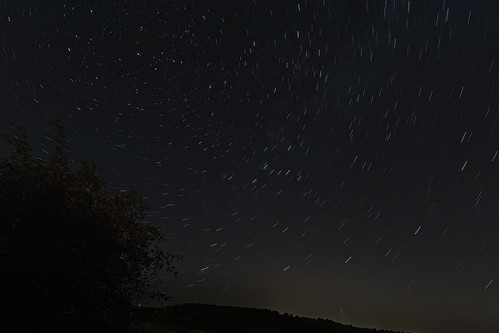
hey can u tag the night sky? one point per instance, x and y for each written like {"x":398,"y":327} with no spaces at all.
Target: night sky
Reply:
{"x":334,"y":159}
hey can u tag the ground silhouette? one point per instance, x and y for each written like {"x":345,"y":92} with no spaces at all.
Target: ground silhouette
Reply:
{"x":228,"y":319}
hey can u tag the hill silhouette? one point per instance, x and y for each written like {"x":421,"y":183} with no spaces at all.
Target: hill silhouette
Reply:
{"x":224,"y":319}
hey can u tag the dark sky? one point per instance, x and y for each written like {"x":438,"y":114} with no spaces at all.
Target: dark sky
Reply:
{"x":334,"y":159}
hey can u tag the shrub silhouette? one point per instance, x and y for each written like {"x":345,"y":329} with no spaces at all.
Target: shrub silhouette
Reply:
{"x":75,"y":253}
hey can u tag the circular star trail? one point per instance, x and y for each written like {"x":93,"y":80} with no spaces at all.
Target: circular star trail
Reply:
{"x":334,"y":159}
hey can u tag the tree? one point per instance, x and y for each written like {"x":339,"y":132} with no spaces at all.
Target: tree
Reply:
{"x":74,"y":252}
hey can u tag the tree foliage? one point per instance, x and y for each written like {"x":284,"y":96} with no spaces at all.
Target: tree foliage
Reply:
{"x":72,"y":249}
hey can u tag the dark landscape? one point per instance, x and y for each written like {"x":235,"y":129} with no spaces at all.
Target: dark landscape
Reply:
{"x":228,"y":319}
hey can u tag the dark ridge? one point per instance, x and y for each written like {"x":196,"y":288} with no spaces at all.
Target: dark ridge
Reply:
{"x":218,"y":319}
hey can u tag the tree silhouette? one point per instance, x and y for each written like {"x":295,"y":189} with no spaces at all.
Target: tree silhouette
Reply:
{"x":74,"y":252}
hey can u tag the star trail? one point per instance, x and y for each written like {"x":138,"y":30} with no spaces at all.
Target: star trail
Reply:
{"x":333,"y":159}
